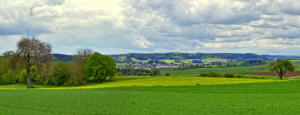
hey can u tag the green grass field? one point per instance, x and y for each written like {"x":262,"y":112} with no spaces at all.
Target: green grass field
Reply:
{"x":179,"y":94}
{"x":242,"y":69}
{"x":209,"y":60}
{"x":268,"y":97}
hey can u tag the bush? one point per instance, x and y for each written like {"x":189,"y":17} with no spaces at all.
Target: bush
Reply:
{"x":210,"y":74}
{"x":119,"y":74}
{"x":8,"y":78}
{"x":61,"y":72}
{"x":229,"y":75}
{"x":168,"y":74}
{"x":226,"y":75}
{"x":22,"y":76}
{"x":239,"y":76}
{"x":204,"y":74}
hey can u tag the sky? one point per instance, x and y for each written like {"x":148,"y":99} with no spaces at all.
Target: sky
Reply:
{"x":154,"y":26}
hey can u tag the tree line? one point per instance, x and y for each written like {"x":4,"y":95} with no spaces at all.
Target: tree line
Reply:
{"x":32,"y":63}
{"x":138,"y":72}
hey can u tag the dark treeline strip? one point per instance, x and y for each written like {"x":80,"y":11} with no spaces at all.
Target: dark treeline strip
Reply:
{"x":138,"y":72}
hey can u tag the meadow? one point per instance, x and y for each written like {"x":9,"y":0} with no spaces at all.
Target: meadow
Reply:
{"x":184,"y":92}
{"x":237,"y":70}
{"x":241,"y":69}
{"x":255,"y":97}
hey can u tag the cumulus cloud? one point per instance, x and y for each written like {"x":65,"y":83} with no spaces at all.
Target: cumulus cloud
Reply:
{"x":123,"y":26}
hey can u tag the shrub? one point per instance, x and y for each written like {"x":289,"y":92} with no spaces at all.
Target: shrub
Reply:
{"x":229,"y":75}
{"x":258,"y":77}
{"x":203,"y":74}
{"x":22,"y":76}
{"x":239,"y":76}
{"x":226,"y":75}
{"x":61,"y":72}
{"x":8,"y":78}
{"x":168,"y":74}
{"x":210,"y":74}
{"x":119,"y":74}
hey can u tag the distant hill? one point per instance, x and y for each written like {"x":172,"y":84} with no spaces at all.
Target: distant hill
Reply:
{"x":272,"y":57}
{"x":182,"y":56}
{"x":174,"y":56}
{"x":63,"y":57}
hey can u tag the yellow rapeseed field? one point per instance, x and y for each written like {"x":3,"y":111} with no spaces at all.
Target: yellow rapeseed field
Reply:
{"x":154,"y":81}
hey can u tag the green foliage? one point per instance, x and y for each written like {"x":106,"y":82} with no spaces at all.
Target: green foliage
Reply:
{"x":99,"y":67}
{"x":78,"y":62}
{"x":210,"y":74}
{"x":155,"y":72}
{"x":34,"y":75}
{"x":139,"y":72}
{"x":229,"y":75}
{"x":8,"y":78}
{"x":77,"y":74}
{"x":8,"y":70}
{"x":281,"y":67}
{"x":61,"y":72}
{"x":22,"y":76}
{"x":119,"y":74}
{"x":168,"y":74}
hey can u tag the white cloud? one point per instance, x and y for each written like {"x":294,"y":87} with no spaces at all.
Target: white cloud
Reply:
{"x":122,"y":26}
{"x":141,"y":41}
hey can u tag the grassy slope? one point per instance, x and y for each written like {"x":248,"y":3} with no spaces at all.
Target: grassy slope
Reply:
{"x":259,"y":98}
{"x":137,"y":60}
{"x":243,"y":69}
{"x":209,"y":60}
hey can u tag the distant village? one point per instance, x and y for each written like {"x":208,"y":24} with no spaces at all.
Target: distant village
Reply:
{"x":162,"y":65}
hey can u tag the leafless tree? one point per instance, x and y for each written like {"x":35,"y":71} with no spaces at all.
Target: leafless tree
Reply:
{"x":78,"y":63}
{"x":33,"y":53}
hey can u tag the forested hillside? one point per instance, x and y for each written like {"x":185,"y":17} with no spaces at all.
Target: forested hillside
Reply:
{"x":182,"y":56}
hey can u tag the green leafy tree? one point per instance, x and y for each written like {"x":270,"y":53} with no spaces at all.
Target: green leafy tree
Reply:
{"x":281,"y":67}
{"x":155,"y":72}
{"x":60,"y":72}
{"x":9,"y":67}
{"x":100,"y":67}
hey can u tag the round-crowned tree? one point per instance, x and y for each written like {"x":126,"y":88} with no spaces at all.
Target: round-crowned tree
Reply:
{"x":99,"y":67}
{"x":281,"y":67}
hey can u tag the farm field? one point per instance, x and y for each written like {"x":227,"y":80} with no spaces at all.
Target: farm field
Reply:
{"x":246,"y":98}
{"x":242,"y":69}
{"x":151,"y":81}
{"x":251,"y":70}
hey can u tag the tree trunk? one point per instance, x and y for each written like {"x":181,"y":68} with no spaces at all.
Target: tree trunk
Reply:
{"x":281,"y":75}
{"x":28,"y":80}
{"x":28,"y":72}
